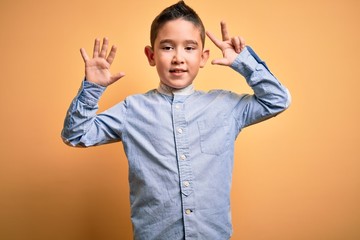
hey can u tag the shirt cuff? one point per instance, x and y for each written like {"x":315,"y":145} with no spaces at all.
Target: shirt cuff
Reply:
{"x":247,"y":62}
{"x":90,"y":93}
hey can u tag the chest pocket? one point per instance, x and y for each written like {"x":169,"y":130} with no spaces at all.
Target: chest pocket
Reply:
{"x":214,"y":137}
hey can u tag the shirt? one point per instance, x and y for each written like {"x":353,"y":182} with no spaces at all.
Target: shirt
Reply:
{"x":180,"y":148}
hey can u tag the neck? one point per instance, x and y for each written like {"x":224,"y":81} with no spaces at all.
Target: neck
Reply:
{"x":164,"y":89}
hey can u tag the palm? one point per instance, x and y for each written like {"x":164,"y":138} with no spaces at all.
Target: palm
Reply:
{"x":98,"y":70}
{"x":228,"y":51}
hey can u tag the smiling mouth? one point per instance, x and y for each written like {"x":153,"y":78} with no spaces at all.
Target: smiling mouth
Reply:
{"x":177,"y":70}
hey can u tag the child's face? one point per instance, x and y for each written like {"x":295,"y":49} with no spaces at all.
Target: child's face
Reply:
{"x":177,"y":53}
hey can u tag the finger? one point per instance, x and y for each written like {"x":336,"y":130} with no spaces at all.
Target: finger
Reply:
{"x":224,"y":31}
{"x":116,"y":77}
{"x":236,"y":44}
{"x":112,"y":54}
{"x":216,"y":41}
{"x":104,"y":47}
{"x":96,"y":48}
{"x":242,"y":43}
{"x":84,"y":54}
{"x":220,"y":61}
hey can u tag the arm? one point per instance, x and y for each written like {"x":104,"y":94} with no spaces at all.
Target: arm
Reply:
{"x":82,"y":126}
{"x":269,"y":98}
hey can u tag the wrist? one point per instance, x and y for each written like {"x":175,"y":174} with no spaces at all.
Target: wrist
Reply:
{"x":94,"y":84}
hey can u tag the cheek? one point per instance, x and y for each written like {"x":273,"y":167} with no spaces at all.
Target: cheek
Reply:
{"x":195,"y":61}
{"x":162,"y":60}
{"x":161,"y":67}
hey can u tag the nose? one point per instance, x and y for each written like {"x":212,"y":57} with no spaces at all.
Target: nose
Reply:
{"x":178,"y":57}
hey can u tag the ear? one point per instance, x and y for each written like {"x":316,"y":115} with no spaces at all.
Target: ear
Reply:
{"x":204,"y":57}
{"x":149,"y":52}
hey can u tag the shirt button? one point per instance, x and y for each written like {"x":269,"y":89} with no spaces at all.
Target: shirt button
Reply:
{"x":182,"y":157}
{"x":177,"y":106}
{"x":186,"y":183}
{"x":179,"y":130}
{"x":188,"y":211}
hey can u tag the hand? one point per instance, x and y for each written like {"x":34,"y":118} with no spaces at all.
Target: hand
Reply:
{"x":230,"y":47}
{"x":97,"y":69}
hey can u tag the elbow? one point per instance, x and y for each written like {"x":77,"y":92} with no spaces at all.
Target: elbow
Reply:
{"x":67,"y":142}
{"x":70,"y":142}
{"x":286,"y":99}
{"x":284,"y":102}
{"x":278,"y":103}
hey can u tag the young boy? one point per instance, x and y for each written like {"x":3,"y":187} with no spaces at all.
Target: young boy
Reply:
{"x":179,"y":142}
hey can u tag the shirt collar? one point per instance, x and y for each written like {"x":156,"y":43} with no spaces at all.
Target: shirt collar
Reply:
{"x":164,"y":89}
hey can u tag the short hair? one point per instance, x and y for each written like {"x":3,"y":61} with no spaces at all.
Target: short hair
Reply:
{"x":177,"y":11}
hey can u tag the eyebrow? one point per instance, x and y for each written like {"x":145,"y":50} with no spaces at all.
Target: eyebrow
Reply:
{"x":186,"y":41}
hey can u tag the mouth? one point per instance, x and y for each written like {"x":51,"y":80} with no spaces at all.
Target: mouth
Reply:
{"x":178,"y":70}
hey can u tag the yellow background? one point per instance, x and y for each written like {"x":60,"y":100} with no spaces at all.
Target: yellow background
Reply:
{"x":296,"y":177}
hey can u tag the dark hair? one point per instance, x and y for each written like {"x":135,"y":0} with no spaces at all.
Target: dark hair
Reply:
{"x":176,"y":11}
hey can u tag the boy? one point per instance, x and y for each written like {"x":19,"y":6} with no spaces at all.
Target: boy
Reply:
{"x":179,"y":142}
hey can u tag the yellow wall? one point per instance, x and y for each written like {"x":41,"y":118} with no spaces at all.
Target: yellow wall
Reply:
{"x":296,"y":176}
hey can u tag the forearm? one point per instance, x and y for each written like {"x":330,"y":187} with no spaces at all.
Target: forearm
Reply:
{"x":82,"y":126}
{"x":270,"y":96}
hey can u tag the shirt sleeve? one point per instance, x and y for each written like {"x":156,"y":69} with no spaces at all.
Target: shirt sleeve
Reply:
{"x":270,"y":96}
{"x":83,"y":127}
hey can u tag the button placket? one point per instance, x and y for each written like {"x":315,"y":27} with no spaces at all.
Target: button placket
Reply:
{"x":184,"y":164}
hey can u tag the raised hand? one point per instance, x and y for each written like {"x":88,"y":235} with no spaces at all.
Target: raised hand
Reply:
{"x":97,"y":69}
{"x":230,"y":47}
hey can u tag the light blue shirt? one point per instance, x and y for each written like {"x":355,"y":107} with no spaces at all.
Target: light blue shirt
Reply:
{"x":180,"y":148}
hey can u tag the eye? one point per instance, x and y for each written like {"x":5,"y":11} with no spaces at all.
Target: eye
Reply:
{"x":167,"y":48}
{"x":190,"y":48}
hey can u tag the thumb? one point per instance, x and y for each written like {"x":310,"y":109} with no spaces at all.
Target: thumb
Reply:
{"x":116,"y":77}
{"x":221,"y":61}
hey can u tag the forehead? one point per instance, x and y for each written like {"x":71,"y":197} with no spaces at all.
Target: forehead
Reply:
{"x":179,"y":30}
